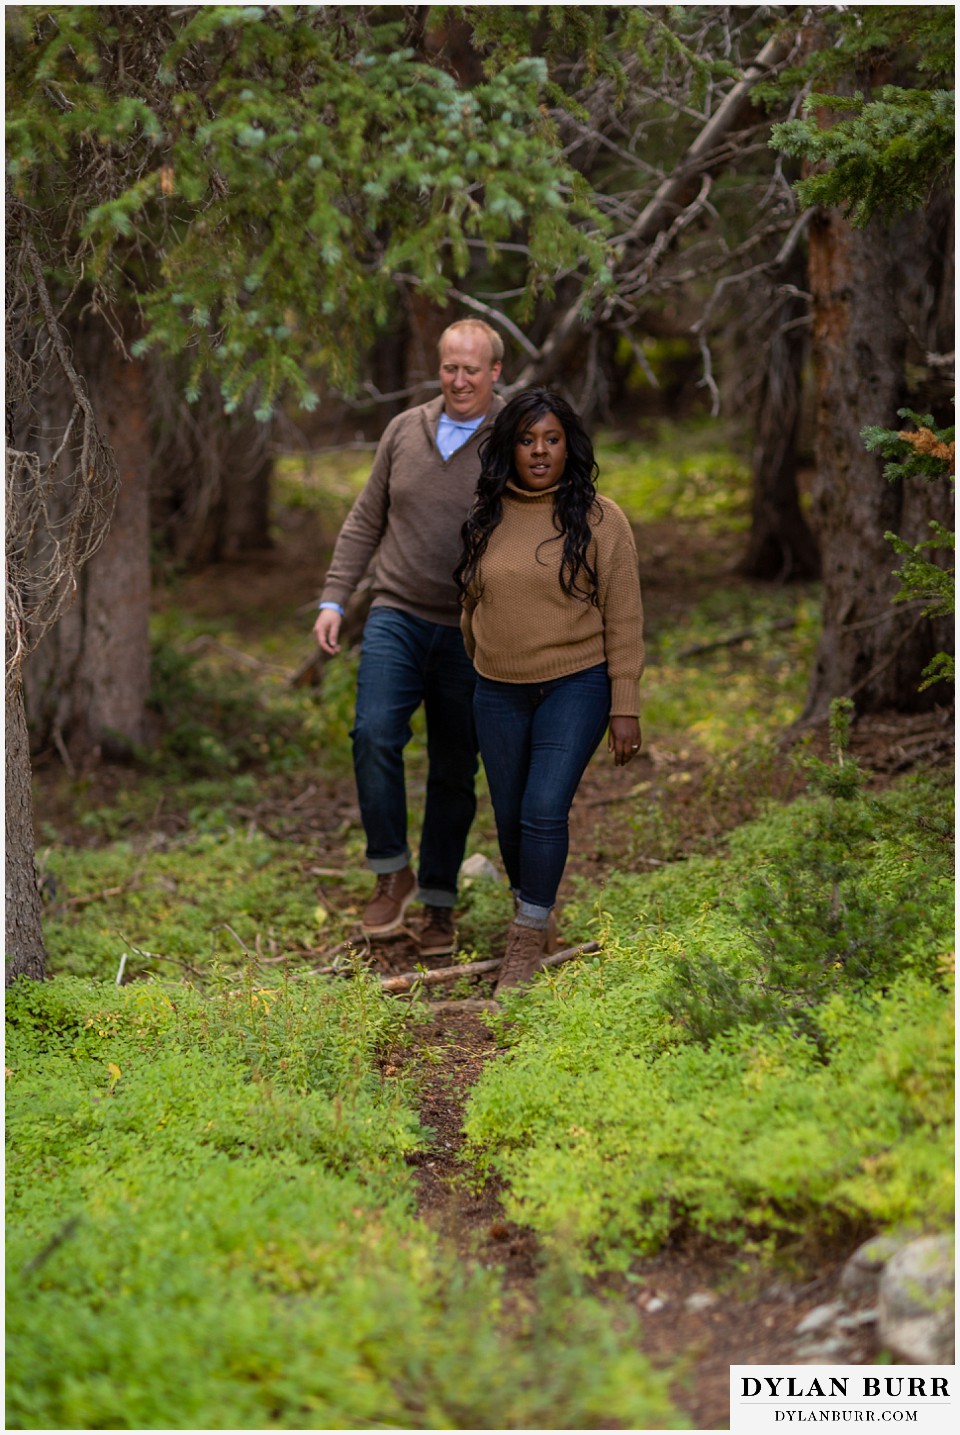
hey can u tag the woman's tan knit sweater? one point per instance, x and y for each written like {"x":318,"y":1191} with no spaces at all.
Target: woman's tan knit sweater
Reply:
{"x":521,"y":627}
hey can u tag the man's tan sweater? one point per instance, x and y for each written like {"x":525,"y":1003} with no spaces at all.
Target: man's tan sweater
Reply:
{"x":519,"y":625}
{"x":409,"y":513}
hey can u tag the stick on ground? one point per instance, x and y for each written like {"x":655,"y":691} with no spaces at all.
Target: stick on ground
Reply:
{"x":407,"y":980}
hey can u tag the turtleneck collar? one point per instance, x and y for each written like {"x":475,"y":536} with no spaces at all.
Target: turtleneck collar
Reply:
{"x":513,"y":490}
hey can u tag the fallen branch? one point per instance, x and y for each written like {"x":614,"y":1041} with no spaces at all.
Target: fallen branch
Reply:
{"x":917,"y":755}
{"x":468,"y":1004}
{"x":304,"y":796}
{"x":407,"y":980}
{"x":97,"y":896}
{"x":743,"y":636}
{"x":206,"y":643}
{"x":159,"y":957}
{"x":585,"y":949}
{"x":68,"y":1229}
{"x":226,"y":927}
{"x":610,"y":799}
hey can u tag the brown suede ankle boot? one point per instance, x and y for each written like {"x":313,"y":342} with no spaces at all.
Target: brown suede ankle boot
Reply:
{"x":384,"y":913}
{"x":522,"y":958}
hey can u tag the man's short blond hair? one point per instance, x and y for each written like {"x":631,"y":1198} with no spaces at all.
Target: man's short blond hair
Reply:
{"x":493,"y":338}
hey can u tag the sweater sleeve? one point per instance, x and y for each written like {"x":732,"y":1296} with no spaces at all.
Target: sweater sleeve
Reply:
{"x":363,"y":528}
{"x":622,"y":610}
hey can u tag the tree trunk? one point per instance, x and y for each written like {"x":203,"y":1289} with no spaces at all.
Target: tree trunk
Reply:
{"x":210,"y":474}
{"x":88,"y":681}
{"x":25,"y":951}
{"x":871,"y":649}
{"x":780,"y":546}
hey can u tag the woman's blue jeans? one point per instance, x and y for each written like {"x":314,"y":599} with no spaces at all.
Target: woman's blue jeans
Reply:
{"x":536,"y":740}
{"x":405,"y":661}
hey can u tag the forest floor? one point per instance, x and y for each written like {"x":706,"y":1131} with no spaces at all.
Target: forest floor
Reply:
{"x":702,"y":1307}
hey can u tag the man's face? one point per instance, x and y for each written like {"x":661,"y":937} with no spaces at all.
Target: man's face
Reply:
{"x":467,"y":373}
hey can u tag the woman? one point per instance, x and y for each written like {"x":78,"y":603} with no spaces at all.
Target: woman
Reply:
{"x":553,"y":623}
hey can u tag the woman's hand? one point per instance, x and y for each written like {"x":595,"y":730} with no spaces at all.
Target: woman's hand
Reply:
{"x":624,"y":739}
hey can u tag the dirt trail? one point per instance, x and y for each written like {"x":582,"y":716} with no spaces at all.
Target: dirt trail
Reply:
{"x":701,"y":1307}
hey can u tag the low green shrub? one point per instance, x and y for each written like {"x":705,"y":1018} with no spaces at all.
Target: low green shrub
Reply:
{"x":823,"y":894}
{"x":172,"y":908}
{"x":209,"y":1224}
{"x":120,"y":1065}
{"x":217,"y":718}
{"x":762,"y":678}
{"x":750,"y":1137}
{"x":785,"y":1002}
{"x":694,"y":476}
{"x":845,"y":906}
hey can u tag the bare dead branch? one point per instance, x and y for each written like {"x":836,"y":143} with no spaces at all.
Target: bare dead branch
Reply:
{"x":743,"y":636}
{"x":206,"y":643}
{"x":98,"y":896}
{"x":466,"y":1004}
{"x":498,"y":316}
{"x":669,"y":193}
{"x":408,"y":980}
{"x":656,"y":228}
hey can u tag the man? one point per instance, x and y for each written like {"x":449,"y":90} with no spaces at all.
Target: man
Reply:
{"x":409,"y":514}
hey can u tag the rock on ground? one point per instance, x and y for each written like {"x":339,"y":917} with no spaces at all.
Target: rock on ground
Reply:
{"x":917,"y":1302}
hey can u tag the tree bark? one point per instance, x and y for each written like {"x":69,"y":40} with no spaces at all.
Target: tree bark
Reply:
{"x":781,"y":546}
{"x":25,"y":951}
{"x":871,"y":649}
{"x":88,"y":681}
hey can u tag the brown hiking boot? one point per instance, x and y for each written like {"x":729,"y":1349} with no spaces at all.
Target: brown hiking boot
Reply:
{"x":551,"y":943}
{"x":523,"y":956}
{"x":437,"y":936}
{"x":392,"y":896}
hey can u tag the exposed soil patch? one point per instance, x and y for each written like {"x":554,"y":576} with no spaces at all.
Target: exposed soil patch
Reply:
{"x":702,"y":1308}
{"x":451,"y":1200}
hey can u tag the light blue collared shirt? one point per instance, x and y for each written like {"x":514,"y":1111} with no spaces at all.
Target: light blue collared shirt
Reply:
{"x":454,"y":433}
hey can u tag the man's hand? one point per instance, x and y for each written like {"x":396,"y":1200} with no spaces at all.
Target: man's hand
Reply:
{"x":327,"y":630}
{"x":624,"y":739}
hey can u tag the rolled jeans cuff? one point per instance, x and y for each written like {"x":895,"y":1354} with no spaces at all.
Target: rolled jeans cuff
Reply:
{"x":383,"y":865}
{"x":528,"y":914}
{"x":436,"y":897}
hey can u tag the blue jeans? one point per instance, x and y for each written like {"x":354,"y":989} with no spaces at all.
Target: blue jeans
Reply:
{"x":405,"y":661}
{"x":536,"y":740}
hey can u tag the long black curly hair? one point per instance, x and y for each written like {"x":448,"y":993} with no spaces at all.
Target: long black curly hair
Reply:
{"x":575,"y":501}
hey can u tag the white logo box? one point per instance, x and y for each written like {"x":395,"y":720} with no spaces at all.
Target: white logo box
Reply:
{"x":772,"y":1399}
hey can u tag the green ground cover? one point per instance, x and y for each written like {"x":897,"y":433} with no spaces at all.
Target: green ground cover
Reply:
{"x":763,"y":1050}
{"x":210,"y":1227}
{"x":686,"y":473}
{"x":213,"y":1158}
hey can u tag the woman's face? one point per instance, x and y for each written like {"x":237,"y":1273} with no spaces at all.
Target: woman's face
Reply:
{"x":540,"y":454}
